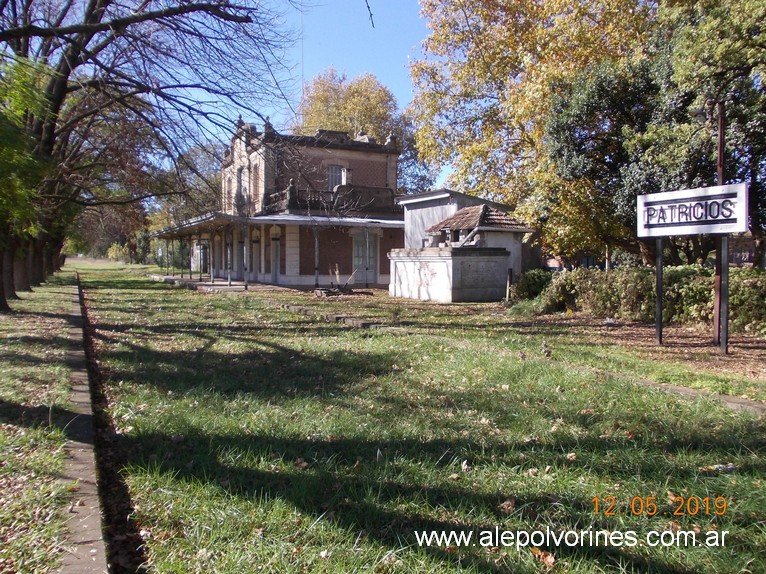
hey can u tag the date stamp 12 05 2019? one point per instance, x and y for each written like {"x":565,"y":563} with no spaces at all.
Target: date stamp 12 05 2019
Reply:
{"x":648,"y":506}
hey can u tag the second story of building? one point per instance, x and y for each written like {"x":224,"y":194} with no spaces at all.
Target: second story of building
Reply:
{"x":267,"y":172}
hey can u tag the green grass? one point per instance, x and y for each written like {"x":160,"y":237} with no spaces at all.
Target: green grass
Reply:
{"x":34,"y":386}
{"x":257,"y":439}
{"x":517,"y":328}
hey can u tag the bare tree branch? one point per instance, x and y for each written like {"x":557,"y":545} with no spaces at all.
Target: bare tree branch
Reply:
{"x":218,"y":10}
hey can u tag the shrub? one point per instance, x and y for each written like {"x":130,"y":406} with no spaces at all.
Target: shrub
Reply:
{"x":562,"y":292}
{"x":747,"y":300}
{"x":629,"y":293}
{"x":531,"y":284}
{"x":634,"y":287}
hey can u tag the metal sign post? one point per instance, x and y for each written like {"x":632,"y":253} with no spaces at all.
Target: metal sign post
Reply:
{"x":718,"y":210}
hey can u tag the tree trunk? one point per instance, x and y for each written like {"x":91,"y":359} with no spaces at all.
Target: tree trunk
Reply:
{"x":21,"y":268}
{"x":4,"y":307}
{"x":646,"y":248}
{"x":673,"y":252}
{"x":47,"y":251}
{"x":8,"y":280}
{"x":36,"y":265}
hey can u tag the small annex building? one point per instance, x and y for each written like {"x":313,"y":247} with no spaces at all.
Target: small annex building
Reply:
{"x":470,"y":255}
{"x":299,"y":210}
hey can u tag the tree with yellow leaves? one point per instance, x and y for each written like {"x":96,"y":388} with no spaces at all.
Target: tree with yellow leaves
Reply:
{"x":363,"y":105}
{"x":484,"y":85}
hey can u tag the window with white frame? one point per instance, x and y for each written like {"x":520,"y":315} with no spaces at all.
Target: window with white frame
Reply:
{"x":334,"y":176}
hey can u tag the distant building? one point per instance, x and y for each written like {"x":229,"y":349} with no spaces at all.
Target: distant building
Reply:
{"x":300,"y":210}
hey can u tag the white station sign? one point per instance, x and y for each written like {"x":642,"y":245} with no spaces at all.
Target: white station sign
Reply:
{"x":720,"y":209}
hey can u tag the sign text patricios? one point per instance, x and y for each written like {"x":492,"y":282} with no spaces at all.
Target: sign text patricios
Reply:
{"x":720,"y":209}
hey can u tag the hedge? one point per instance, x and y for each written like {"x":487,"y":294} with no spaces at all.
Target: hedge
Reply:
{"x":628,"y":293}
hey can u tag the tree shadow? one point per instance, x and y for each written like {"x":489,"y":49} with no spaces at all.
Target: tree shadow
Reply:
{"x":342,"y":472}
{"x":331,"y":487}
{"x":76,"y":426}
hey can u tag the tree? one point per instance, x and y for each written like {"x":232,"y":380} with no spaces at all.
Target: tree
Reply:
{"x":130,"y":86}
{"x":720,"y":52}
{"x":615,"y":131}
{"x":363,"y":105}
{"x":570,"y":111}
{"x":629,"y":128}
{"x":360,"y":105}
{"x":20,"y":170}
{"x":483,"y":88}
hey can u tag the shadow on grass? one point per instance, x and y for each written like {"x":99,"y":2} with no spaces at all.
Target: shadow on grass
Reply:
{"x":268,"y":370}
{"x":342,"y":471}
{"x":343,"y":496}
{"x":343,"y":482}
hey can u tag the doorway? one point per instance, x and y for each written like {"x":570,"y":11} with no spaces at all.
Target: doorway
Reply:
{"x":365,"y":260}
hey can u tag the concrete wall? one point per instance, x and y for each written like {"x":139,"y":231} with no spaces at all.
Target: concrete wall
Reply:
{"x":448,"y":275}
{"x":513,"y":243}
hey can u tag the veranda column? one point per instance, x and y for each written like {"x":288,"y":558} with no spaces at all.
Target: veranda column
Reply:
{"x":229,"y":253}
{"x":316,"y":256}
{"x":246,"y":253}
{"x":191,"y":257}
{"x":366,"y":257}
{"x":212,"y":256}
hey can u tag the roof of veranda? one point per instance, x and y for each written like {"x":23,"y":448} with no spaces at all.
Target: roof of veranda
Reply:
{"x":216,"y":220}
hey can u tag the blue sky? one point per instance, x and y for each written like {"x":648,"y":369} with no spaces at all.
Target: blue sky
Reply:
{"x":338,"y":34}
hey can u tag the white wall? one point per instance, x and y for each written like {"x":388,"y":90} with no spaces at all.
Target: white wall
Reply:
{"x":447,"y":275}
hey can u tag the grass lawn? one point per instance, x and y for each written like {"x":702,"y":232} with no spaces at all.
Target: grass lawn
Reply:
{"x":259,"y":440}
{"x":34,"y":387}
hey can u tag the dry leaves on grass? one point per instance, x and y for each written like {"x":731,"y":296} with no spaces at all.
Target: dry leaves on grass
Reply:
{"x":543,"y":557}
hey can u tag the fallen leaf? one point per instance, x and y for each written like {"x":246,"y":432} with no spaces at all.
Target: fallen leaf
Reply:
{"x":543,"y":556}
{"x":671,"y":496}
{"x":673,"y":526}
{"x":508,"y":505}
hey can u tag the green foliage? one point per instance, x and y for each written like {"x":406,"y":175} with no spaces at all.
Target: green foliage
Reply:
{"x":531,"y":284}
{"x":20,"y":170}
{"x":143,"y":245}
{"x":562,"y":293}
{"x":747,"y":300}
{"x":20,"y":93}
{"x":628,"y":293}
{"x":117,"y":252}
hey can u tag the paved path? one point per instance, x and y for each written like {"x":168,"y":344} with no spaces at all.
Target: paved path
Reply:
{"x":84,"y":545}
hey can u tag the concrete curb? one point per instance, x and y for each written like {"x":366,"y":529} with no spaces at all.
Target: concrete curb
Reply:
{"x":734,"y":403}
{"x":84,"y":543}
